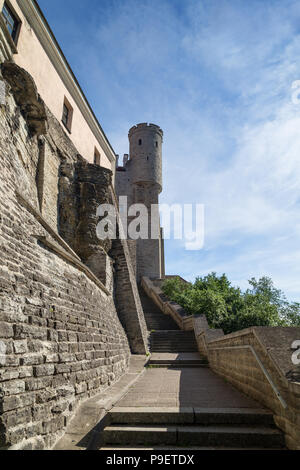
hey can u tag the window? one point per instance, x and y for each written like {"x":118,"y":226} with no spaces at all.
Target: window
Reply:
{"x":97,"y":157}
{"x":140,"y":142}
{"x":67,"y":115}
{"x":11,"y":21}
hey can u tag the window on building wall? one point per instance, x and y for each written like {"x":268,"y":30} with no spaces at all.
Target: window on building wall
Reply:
{"x":67,"y":115}
{"x":140,"y":142}
{"x":97,"y":157}
{"x":11,"y":20}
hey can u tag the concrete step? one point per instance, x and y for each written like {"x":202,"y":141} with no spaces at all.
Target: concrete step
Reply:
{"x":210,"y":436}
{"x":163,"y":325}
{"x":177,"y":366}
{"x":178,"y":363}
{"x":169,"y":349}
{"x":174,"y":346}
{"x":175,"y":332}
{"x":155,"y":318}
{"x":172,"y":349}
{"x":173,"y":341}
{"x":189,"y":415}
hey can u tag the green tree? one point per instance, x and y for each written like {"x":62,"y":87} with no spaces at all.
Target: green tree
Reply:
{"x":226,"y":307}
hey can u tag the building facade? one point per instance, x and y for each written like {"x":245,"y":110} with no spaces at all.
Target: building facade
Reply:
{"x":29,"y":41}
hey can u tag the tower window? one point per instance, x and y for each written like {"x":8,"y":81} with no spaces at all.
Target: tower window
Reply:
{"x":97,"y":157}
{"x":140,"y":141}
{"x":156,"y":144}
{"x":11,"y":21}
{"x":67,"y":115}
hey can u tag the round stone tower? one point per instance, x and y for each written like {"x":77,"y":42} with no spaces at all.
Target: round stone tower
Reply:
{"x":145,"y":144}
{"x":145,"y":141}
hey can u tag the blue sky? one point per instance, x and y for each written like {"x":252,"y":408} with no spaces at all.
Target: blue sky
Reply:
{"x":217,"y":76}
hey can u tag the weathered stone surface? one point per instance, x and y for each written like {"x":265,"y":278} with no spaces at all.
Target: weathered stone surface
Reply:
{"x":127,"y":299}
{"x":62,"y":335}
{"x":83,"y":187}
{"x":26,"y":96}
{"x":140,"y":179}
{"x":232,"y":357}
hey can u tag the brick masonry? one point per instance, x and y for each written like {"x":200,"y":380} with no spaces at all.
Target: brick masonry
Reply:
{"x":241,"y":368}
{"x":60,"y":334}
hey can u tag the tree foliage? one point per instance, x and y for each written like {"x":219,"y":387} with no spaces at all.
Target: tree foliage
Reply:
{"x":230,"y":309}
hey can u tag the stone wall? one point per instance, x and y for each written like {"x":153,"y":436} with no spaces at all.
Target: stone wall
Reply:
{"x":140,"y":179}
{"x":258,"y":362}
{"x":127,"y":296}
{"x":61,"y":340}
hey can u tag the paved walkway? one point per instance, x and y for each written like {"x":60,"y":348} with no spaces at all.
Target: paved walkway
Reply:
{"x":187,"y":356}
{"x":184,"y":387}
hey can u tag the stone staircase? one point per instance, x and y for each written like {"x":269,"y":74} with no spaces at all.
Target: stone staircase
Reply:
{"x":155,"y":319}
{"x":191,"y":428}
{"x":177,"y":360}
{"x":154,"y":423}
{"x":165,"y":336}
{"x":170,"y":341}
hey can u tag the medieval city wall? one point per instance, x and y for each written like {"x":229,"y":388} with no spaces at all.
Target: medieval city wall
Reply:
{"x":60,"y":333}
{"x":46,"y":72}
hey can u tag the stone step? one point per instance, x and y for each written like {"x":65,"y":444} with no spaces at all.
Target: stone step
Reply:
{"x":176,"y":345}
{"x":175,"y":332}
{"x":172,"y":350}
{"x":178,"y":364}
{"x":213,"y":435}
{"x":154,"y":317}
{"x":189,"y":415}
{"x":171,"y":343}
{"x":163,"y":325}
{"x":171,"y":337}
{"x":174,"y":342}
{"x":152,"y":327}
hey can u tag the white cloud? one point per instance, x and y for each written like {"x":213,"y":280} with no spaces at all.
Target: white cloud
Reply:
{"x":216,"y":75}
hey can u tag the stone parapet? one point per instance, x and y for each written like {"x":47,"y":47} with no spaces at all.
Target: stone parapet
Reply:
{"x":179,"y":315}
{"x":61,"y":339}
{"x":257,"y":361}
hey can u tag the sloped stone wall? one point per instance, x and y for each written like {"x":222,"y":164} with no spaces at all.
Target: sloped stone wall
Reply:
{"x":61,"y":340}
{"x":258,"y":361}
